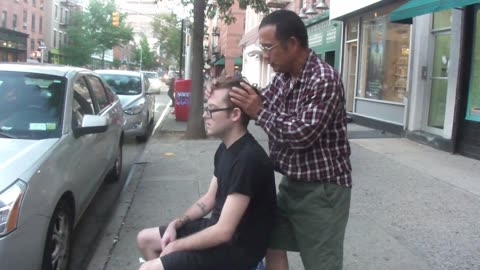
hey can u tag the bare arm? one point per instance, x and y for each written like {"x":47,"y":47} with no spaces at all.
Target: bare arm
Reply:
{"x":232,"y":212}
{"x":200,"y":208}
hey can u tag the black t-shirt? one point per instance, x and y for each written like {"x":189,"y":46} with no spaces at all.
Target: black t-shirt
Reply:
{"x":245,"y":168}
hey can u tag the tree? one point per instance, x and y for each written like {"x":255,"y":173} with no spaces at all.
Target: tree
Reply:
{"x":165,"y":30}
{"x":80,"y":45}
{"x":92,"y":31}
{"x":195,"y":125}
{"x":144,"y":55}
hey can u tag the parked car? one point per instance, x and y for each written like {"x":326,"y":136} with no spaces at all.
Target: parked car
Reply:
{"x":61,"y":134}
{"x":137,"y":101}
{"x":154,"y":80}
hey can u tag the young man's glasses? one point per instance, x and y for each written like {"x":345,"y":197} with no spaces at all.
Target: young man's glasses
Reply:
{"x":208,"y":111}
{"x":266,"y":49}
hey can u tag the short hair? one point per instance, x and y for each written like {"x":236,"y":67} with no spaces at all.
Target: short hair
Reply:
{"x":288,"y":24}
{"x":228,"y":83}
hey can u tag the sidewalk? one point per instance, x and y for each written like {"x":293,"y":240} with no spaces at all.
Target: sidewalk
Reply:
{"x":413,"y":207}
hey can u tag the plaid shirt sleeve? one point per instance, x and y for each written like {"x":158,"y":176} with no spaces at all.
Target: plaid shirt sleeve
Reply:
{"x":300,"y":131}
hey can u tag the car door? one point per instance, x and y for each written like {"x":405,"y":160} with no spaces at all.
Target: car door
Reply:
{"x":85,"y":149}
{"x":108,"y":140}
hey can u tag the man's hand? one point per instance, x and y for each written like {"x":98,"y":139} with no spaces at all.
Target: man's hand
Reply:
{"x":249,"y":101}
{"x":169,"y":236}
{"x":171,"y":247}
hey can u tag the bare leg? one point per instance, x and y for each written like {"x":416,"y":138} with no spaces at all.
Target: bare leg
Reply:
{"x":276,"y":260}
{"x":155,"y":264}
{"x":149,"y":243}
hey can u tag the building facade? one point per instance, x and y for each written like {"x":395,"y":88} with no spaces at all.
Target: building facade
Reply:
{"x":22,"y":29}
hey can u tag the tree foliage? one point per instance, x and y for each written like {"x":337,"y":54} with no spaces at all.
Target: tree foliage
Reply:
{"x":168,"y":35}
{"x":80,"y":46}
{"x":147,"y":57}
{"x":94,"y":30}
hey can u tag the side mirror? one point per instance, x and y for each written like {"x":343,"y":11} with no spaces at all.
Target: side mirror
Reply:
{"x":91,"y":124}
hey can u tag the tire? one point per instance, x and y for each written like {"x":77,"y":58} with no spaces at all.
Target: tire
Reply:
{"x":116,"y":171}
{"x":56,"y":254}
{"x":144,"y":137}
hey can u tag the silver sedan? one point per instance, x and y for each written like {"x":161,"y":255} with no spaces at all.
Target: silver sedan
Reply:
{"x":138,"y":100}
{"x":60,"y":137}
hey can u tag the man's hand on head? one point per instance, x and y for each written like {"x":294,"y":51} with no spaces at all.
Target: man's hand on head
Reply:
{"x":249,"y":101}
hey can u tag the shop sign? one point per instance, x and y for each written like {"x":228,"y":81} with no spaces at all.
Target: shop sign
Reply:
{"x":331,"y":35}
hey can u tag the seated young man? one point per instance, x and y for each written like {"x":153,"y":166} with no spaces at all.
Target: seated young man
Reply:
{"x":241,"y":197}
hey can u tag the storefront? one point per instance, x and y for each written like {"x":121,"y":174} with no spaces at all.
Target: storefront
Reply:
{"x":443,"y":105}
{"x":13,"y":46}
{"x":324,"y":37}
{"x":376,"y":57}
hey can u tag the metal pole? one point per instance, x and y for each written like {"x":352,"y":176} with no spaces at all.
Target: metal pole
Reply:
{"x":141,"y":57}
{"x":41,"y":56}
{"x":181,"y":50}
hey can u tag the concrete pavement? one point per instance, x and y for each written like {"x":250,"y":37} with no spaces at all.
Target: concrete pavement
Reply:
{"x":413,"y":207}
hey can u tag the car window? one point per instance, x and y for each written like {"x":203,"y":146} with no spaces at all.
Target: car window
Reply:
{"x":82,"y":102}
{"x":151,"y":75}
{"x":99,"y":92}
{"x":123,"y":84}
{"x":31,"y":104}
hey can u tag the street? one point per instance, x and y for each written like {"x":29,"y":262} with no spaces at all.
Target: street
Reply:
{"x":90,"y":226}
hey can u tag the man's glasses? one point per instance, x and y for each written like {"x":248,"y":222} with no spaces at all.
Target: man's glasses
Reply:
{"x":208,"y":112}
{"x":268,"y":49}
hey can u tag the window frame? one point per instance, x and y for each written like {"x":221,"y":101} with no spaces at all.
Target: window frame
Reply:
{"x":468,"y":116}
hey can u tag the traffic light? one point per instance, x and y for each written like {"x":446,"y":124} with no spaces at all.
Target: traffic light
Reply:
{"x":115,"y":18}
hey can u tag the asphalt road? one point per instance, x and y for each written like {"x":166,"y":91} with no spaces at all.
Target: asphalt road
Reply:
{"x":89,"y":229}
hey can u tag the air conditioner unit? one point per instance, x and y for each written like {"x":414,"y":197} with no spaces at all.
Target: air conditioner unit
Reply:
{"x":277,"y":3}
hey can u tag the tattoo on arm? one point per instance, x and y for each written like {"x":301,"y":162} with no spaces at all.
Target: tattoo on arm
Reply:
{"x":202,"y":206}
{"x":182,"y":221}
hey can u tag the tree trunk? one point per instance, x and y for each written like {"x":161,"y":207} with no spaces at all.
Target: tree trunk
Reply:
{"x":195,"y":125}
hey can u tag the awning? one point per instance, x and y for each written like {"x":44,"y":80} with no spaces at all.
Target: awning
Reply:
{"x":413,"y":8}
{"x":249,"y":38}
{"x":220,"y":62}
{"x":238,"y":61}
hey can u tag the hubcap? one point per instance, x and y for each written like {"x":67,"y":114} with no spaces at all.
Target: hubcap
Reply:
{"x":60,"y":242}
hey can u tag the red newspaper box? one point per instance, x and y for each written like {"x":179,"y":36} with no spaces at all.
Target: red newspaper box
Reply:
{"x":182,"y":98}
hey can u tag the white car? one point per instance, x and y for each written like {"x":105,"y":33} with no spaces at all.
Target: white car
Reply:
{"x":137,"y":100}
{"x":61,"y":132}
{"x":154,"y":79}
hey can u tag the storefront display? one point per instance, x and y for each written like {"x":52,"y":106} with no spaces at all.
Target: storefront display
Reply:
{"x":385,"y":53}
{"x":473,"y":109}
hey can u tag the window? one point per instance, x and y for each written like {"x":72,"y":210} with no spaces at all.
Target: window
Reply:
{"x":34,"y":3}
{"x":14,"y":22}
{"x":60,"y":39}
{"x":99,"y":92}
{"x":473,"y":105}
{"x":56,"y":11}
{"x":33,"y":22}
{"x":40,"y":25}
{"x":65,"y":38}
{"x":66,"y":16}
{"x":385,"y":52}
{"x":441,"y":32}
{"x":82,"y":102}
{"x":25,"y":18}
{"x":54,"y":38}
{"x":350,"y":62}
{"x":61,"y":15}
{"x":4,"y":19}
{"x":32,"y":44}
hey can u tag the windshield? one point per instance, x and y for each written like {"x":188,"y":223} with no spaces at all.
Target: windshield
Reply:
{"x":30,"y":105}
{"x":151,"y":75}
{"x":123,"y":84}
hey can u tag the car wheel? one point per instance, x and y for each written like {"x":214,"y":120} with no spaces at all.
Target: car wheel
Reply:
{"x":56,"y":255}
{"x":116,"y":171}
{"x":144,"y":137}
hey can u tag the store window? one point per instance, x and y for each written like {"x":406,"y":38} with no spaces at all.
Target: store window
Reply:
{"x":473,"y":108}
{"x":350,"y":73}
{"x":384,"y":58}
{"x":441,"y":31}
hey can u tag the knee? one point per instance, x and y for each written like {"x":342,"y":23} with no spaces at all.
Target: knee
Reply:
{"x":142,"y":239}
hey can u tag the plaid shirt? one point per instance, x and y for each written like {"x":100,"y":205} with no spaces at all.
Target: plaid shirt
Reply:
{"x":306,"y":125}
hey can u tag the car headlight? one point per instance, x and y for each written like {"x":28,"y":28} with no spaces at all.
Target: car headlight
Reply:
{"x":10,"y":201}
{"x":136,"y":109}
